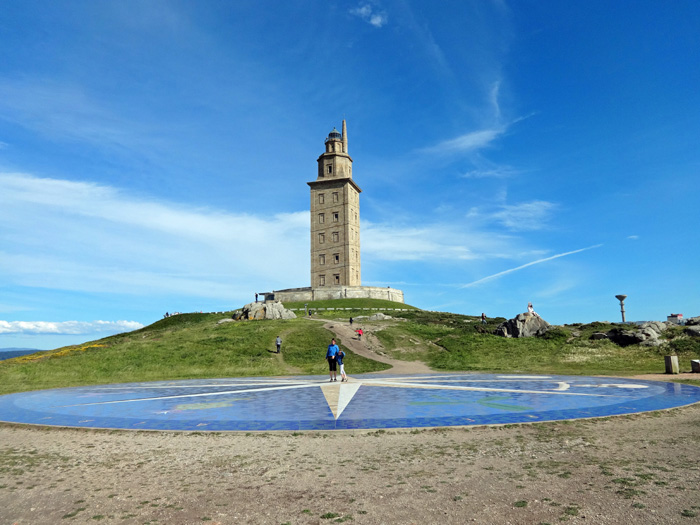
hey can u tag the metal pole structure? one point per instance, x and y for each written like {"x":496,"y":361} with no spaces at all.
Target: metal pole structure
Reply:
{"x":622,"y":298}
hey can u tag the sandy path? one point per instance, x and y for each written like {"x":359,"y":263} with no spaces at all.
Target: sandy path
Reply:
{"x":347,"y":336}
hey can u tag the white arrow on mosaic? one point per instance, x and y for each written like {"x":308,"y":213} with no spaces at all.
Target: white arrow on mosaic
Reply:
{"x":339,"y":396}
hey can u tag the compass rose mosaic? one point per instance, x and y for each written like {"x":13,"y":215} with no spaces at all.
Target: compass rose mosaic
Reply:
{"x":365,"y":401}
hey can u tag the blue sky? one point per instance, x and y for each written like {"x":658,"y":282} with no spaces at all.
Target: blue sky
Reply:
{"x":154,"y":155}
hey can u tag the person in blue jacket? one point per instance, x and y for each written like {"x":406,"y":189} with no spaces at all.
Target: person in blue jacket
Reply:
{"x":331,"y":358}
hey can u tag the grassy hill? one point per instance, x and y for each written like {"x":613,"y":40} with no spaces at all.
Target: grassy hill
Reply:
{"x":194,"y":346}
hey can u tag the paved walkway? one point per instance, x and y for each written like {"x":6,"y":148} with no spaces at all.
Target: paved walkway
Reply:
{"x":365,"y":401}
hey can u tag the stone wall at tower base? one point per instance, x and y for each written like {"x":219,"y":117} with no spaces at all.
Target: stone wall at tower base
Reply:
{"x":335,"y":292}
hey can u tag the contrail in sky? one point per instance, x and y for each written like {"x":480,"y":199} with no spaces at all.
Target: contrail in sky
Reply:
{"x":499,"y":274}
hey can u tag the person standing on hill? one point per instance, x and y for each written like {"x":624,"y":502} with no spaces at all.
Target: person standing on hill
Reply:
{"x":359,"y":334}
{"x":331,"y":354}
{"x":339,"y":359}
{"x":483,"y":318}
{"x":278,"y":342}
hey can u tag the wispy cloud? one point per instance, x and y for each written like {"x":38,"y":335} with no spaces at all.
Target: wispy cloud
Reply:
{"x":68,"y":235}
{"x":67,"y":327}
{"x":435,"y":242}
{"x":469,"y":142}
{"x":496,"y":172}
{"x":526,"y":216}
{"x":63,"y":112}
{"x":539,"y":261}
{"x":373,"y":17}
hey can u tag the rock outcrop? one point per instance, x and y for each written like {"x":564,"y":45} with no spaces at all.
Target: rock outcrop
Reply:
{"x":646,"y":335}
{"x":523,"y":325}
{"x":693,"y":331}
{"x":379,"y":316}
{"x":266,"y":310}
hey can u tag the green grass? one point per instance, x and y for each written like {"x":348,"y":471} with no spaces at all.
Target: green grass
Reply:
{"x":456,"y":342}
{"x":185,"y":346}
{"x":190,"y":346}
{"x":356,"y":307}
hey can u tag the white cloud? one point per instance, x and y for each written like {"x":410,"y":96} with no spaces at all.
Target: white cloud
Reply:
{"x":539,"y":261}
{"x":497,"y":172}
{"x":63,"y":112}
{"x":67,"y":327}
{"x":469,"y":142}
{"x":434,"y":242}
{"x":367,"y":13}
{"x":69,"y":235}
{"x":526,"y":216}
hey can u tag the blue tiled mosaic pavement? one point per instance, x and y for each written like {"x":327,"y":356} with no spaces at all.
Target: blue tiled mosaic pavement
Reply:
{"x":366,"y":401}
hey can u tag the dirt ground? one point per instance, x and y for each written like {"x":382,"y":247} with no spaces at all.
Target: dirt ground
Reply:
{"x":642,"y":468}
{"x":612,"y":470}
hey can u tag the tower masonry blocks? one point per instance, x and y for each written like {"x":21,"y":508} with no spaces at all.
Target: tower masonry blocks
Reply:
{"x":335,"y":217}
{"x":336,"y":270}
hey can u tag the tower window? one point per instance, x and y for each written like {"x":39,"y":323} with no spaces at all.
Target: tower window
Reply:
{"x":321,"y":218}
{"x":322,"y":259}
{"x":335,"y":216}
{"x":335,"y":196}
{"x":336,"y":278}
{"x":321,"y":238}
{"x":330,"y":169}
{"x":322,"y":280}
{"x":335,"y":237}
{"x":336,"y":258}
{"x":321,"y":198}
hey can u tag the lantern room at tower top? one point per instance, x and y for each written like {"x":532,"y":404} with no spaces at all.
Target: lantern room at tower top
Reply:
{"x":336,"y":269}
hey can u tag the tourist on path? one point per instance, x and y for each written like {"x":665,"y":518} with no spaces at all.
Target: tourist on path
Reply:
{"x":359,"y":334}
{"x":483,"y":318}
{"x":331,"y":357}
{"x":351,"y":321}
{"x":278,"y":342}
{"x":339,"y":359}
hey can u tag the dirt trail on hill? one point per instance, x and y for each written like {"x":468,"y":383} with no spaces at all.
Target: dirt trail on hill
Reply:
{"x":349,"y":338}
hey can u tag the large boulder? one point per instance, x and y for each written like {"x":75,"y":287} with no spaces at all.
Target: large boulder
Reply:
{"x":523,"y":325}
{"x":646,"y":335}
{"x":692,"y":321}
{"x":693,"y":331}
{"x":266,"y":310}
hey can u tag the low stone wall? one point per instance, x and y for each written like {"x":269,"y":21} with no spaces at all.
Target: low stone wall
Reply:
{"x":354,"y":309}
{"x":336,"y":292}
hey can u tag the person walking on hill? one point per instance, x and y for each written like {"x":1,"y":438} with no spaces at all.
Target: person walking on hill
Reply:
{"x":483,"y":318}
{"x":339,"y":359}
{"x":359,"y":334}
{"x":331,"y":354}
{"x":351,"y":322}
{"x":278,"y":342}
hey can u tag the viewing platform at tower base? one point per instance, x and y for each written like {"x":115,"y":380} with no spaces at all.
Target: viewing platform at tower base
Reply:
{"x":326,"y":293}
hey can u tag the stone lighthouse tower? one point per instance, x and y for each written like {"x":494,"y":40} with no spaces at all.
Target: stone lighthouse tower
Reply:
{"x":335,"y":217}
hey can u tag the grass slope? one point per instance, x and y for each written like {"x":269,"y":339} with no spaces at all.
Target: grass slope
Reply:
{"x":184,"y":346}
{"x":457,"y":342}
{"x":195,"y":346}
